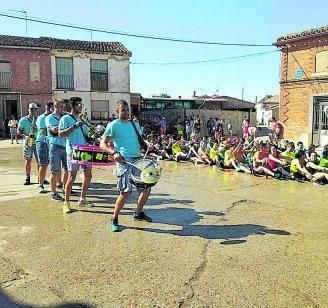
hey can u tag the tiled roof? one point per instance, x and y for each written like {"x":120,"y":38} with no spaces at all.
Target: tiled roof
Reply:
{"x":270,"y":100}
{"x":54,"y":43}
{"x":301,"y":35}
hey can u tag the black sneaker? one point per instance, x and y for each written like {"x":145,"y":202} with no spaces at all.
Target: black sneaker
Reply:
{"x":56,"y":197}
{"x":114,"y":225}
{"x":142,"y":217}
{"x":27,"y":181}
{"x":45,"y":182}
{"x":42,"y":190}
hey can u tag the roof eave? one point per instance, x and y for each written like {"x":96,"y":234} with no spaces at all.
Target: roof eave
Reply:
{"x":284,"y":42}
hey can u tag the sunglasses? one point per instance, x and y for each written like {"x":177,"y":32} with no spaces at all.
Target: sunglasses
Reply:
{"x":125,"y":109}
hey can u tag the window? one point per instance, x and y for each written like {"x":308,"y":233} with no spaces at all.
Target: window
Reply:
{"x":99,"y":75}
{"x":99,"y":110}
{"x":5,"y":74}
{"x":64,"y":73}
{"x":321,"y":62}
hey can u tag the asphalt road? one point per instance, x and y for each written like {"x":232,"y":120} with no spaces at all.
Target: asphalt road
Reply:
{"x":219,"y":239}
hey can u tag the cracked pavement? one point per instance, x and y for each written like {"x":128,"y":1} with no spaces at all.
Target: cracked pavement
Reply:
{"x":219,"y":239}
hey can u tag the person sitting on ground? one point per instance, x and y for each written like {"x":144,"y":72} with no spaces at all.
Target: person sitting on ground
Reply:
{"x":275,"y":164}
{"x":319,"y":173}
{"x":299,"y":147}
{"x":297,"y":167}
{"x":178,"y":152}
{"x":324,"y":159}
{"x":313,"y":161}
{"x":214,"y":154}
{"x":204,"y":140}
{"x":167,"y":147}
{"x":288,"y":155}
{"x":229,"y":159}
{"x":260,"y":160}
{"x":309,"y":152}
{"x":249,"y":151}
{"x":203,"y":155}
{"x":161,"y":148}
{"x":240,"y":159}
{"x":192,"y":146}
{"x":223,"y":146}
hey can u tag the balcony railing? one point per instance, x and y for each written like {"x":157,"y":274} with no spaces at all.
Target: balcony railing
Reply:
{"x":65,"y":82}
{"x":5,"y":80}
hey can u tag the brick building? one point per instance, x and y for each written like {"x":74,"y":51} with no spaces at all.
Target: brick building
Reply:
{"x":25,"y":76}
{"x":304,"y":85}
{"x":40,"y":69}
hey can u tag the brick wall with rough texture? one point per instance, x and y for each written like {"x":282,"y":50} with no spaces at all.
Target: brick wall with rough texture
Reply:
{"x":296,"y":93}
{"x":32,"y":91}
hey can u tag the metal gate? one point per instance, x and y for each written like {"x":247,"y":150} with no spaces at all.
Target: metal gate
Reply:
{"x":320,"y":121}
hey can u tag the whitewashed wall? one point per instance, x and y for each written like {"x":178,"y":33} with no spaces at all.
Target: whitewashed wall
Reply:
{"x":118,"y":70}
{"x":118,"y":78}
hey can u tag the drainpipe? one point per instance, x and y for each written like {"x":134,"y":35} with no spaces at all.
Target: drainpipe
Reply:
{"x":21,"y":105}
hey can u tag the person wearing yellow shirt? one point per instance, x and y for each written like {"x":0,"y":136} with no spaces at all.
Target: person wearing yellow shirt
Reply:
{"x":297,"y":167}
{"x":288,"y":155}
{"x":229,"y":159}
{"x":214,"y":154}
{"x":177,"y":150}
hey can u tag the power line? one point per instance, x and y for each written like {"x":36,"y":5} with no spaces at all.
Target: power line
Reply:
{"x":207,"y":61}
{"x":122,"y":33}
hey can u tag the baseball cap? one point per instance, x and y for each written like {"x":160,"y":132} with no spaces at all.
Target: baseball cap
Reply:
{"x":33,"y":106}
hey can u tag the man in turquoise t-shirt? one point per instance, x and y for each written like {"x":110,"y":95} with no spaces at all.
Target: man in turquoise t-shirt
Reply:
{"x":42,"y":149}
{"x":126,"y":145}
{"x":27,"y":129}
{"x":74,"y":130}
{"x":57,"y":150}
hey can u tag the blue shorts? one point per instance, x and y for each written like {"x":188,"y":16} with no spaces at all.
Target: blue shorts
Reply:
{"x":57,"y":157}
{"x":123,"y":172}
{"x":42,"y":151}
{"x":74,"y":167}
{"x":29,"y":151}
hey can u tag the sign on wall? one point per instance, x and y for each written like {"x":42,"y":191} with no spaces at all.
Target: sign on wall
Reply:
{"x":34,"y":71}
{"x":299,"y":73}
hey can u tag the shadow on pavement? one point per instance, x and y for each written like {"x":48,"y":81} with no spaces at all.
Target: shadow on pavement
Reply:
{"x":6,"y":301}
{"x":185,"y":218}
